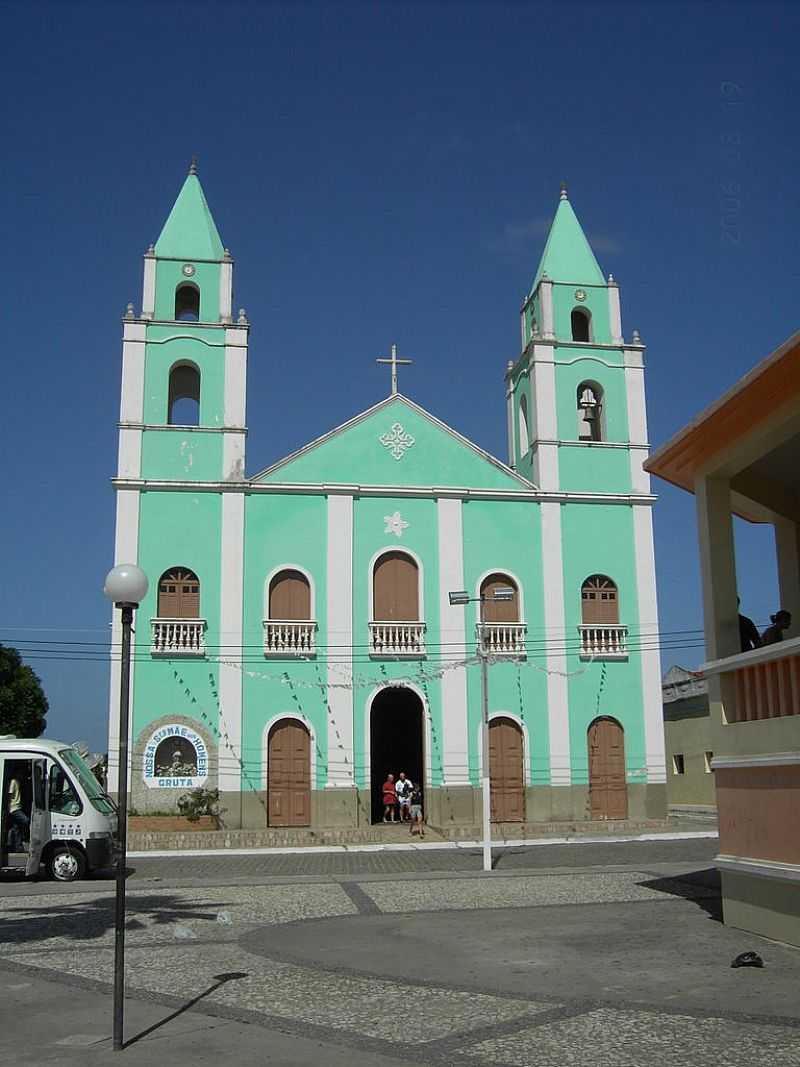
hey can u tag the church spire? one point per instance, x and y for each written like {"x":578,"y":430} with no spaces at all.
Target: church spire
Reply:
{"x":568,"y":256}
{"x":190,"y":231}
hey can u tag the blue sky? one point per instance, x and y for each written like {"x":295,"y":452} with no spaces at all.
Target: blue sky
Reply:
{"x":381,"y":173}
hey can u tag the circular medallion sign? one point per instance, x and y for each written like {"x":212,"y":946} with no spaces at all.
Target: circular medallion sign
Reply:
{"x":188,"y":269}
{"x":175,"y":757}
{"x":580,"y":294}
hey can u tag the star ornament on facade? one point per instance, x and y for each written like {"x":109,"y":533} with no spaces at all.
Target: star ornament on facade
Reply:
{"x":395,"y":524}
{"x":396,"y":440}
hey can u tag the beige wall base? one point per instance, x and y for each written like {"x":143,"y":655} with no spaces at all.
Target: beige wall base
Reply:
{"x":765,"y":906}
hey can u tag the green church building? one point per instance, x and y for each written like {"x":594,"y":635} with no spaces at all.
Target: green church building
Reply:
{"x":298,"y":641}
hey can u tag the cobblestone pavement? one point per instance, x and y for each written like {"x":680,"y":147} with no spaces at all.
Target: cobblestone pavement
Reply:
{"x":565,"y":965}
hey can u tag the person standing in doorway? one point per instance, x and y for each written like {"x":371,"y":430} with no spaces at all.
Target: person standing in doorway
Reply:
{"x":403,"y":790}
{"x":416,"y":810}
{"x":18,"y":821}
{"x":389,"y":794}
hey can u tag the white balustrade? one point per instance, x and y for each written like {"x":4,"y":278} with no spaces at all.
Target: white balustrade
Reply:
{"x":178,"y":637}
{"x":397,"y":638}
{"x":288,"y":637}
{"x":604,"y":641}
{"x":503,"y":638}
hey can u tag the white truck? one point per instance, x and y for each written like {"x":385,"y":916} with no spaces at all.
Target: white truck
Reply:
{"x":54,"y":814}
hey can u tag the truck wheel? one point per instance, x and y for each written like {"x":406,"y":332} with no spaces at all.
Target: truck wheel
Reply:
{"x":65,"y":864}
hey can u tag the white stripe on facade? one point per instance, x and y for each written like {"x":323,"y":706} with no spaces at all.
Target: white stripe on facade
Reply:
{"x":230,"y":633}
{"x":614,"y":314}
{"x":132,"y":395}
{"x":233,"y":457}
{"x":235,"y":377}
{"x":340,"y":632}
{"x":555,"y":625}
{"x":225,"y":290}
{"x":126,"y":550}
{"x":543,"y":389}
{"x":149,"y":287}
{"x":546,"y":303}
{"x":637,"y":420}
{"x":455,"y":757}
{"x":129,"y":456}
{"x":649,"y":657}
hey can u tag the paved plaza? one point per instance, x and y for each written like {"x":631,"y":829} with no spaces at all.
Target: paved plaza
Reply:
{"x":578,"y":955}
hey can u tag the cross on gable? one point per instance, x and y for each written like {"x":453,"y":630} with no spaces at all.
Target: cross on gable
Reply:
{"x":394,"y":362}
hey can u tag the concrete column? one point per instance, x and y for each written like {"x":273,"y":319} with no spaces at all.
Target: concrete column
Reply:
{"x":555,"y":627}
{"x":225,"y":288}
{"x":455,"y":758}
{"x":614,"y":312}
{"x":149,"y":285}
{"x":717,"y":567}
{"x":787,"y":549}
{"x":340,"y":632}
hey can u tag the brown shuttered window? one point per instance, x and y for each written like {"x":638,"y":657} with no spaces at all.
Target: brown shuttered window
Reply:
{"x":179,"y":595}
{"x":396,"y":589}
{"x":599,"y":602}
{"x":499,"y":610}
{"x":289,"y":596}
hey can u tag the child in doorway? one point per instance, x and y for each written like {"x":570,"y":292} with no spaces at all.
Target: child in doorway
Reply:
{"x":416,"y":810}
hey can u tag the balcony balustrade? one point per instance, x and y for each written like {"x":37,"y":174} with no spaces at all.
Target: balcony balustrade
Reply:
{"x":503,"y":638}
{"x":288,"y":637}
{"x":603,"y":641}
{"x":178,"y":637}
{"x":766,"y":681}
{"x":397,"y":639}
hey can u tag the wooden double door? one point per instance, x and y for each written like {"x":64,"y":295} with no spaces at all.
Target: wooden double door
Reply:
{"x":289,"y":774}
{"x":608,"y":792}
{"x":506,"y":771}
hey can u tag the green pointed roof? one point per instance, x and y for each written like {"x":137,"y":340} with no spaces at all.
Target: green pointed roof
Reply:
{"x":568,"y":256}
{"x":190,"y":231}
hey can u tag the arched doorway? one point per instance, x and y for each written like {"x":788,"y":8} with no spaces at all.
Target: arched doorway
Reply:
{"x":506,"y":771}
{"x":395,"y":741}
{"x":608,"y":793}
{"x":289,"y":774}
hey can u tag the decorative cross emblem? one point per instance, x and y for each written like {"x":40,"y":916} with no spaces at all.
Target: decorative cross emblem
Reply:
{"x":395,"y":524}
{"x":394,"y":363}
{"x":396,"y":440}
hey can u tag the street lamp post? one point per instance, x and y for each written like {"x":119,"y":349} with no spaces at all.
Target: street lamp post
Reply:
{"x":126,"y":587}
{"x":502,"y":592}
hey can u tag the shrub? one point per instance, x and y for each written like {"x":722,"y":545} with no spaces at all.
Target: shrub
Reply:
{"x":200,"y":802}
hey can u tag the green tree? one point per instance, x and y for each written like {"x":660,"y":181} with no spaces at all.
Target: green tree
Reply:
{"x":23,"y":705}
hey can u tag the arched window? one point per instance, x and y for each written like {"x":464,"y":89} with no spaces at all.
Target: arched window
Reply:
{"x":499,"y":610}
{"x":590,"y":412}
{"x":289,"y":597}
{"x":580,"y":322}
{"x":524,"y":430}
{"x":187,"y":303}
{"x":184,"y":395}
{"x":178,"y":594}
{"x":395,"y":587}
{"x":599,"y":601}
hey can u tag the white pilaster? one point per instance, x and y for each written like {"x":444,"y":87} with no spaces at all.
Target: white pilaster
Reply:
{"x":230,"y":637}
{"x":235,"y":377}
{"x":340,"y":632}
{"x":129,"y":457}
{"x":225,"y":289}
{"x":126,"y":550}
{"x":542,"y":376}
{"x":131,"y":407}
{"x":647,"y":606}
{"x":637,"y":419}
{"x":233,"y":456}
{"x":455,"y":757}
{"x":512,"y":458}
{"x":614,"y":313}
{"x":546,"y":302}
{"x":555,"y":629}
{"x":149,"y":286}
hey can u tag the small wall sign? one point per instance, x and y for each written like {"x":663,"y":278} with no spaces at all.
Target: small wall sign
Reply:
{"x":175,"y":757}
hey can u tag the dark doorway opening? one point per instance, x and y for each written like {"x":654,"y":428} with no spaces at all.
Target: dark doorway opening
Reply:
{"x":395,"y":741}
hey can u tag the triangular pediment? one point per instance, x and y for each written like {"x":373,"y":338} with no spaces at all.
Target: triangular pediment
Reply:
{"x":394,"y":443}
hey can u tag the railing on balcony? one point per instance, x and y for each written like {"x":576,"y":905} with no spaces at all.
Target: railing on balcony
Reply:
{"x":503,"y":638}
{"x":178,"y":637}
{"x":603,"y":641}
{"x":285,"y":637}
{"x":397,"y":638}
{"x":766,"y":682}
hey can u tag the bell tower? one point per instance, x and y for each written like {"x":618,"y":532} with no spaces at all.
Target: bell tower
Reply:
{"x":182,"y":414}
{"x":576,"y":411}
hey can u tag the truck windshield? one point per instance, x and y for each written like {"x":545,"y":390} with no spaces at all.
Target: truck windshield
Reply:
{"x":90,"y":785}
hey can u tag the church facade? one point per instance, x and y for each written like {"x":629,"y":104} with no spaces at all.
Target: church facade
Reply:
{"x":299,"y":641}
